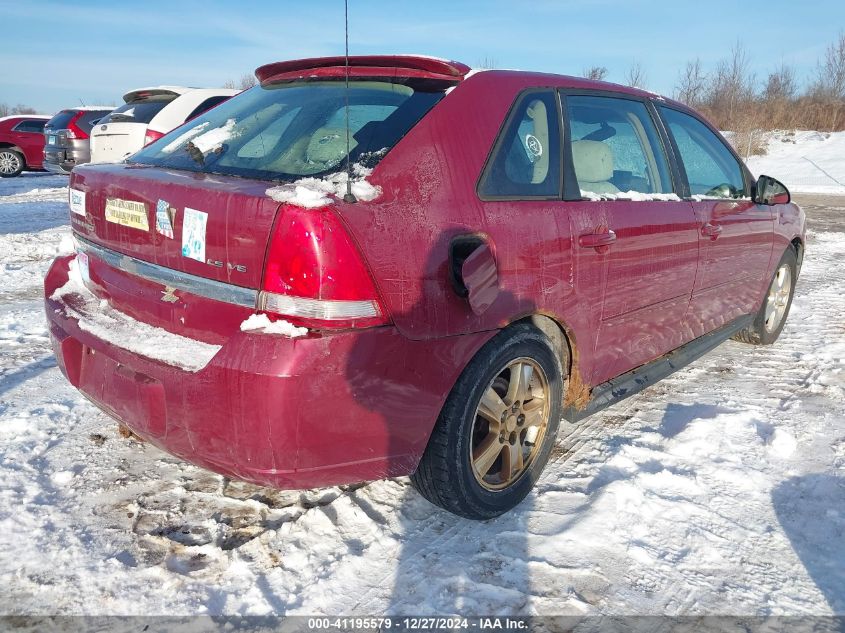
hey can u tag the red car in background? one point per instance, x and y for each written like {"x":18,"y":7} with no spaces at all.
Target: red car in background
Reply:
{"x":419,"y":274}
{"x":21,"y":143}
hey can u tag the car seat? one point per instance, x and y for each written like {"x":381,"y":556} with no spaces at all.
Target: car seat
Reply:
{"x":593,"y":162}
{"x":327,"y":147}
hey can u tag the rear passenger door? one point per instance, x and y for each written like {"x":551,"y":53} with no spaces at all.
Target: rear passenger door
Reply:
{"x":735,"y":233}
{"x":29,"y":136}
{"x":633,"y":237}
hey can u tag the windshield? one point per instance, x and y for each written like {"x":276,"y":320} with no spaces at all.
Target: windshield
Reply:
{"x":139,"y":110}
{"x":287,"y":131}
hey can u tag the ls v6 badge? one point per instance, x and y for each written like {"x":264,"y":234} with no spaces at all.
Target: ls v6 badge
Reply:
{"x":218,"y":264}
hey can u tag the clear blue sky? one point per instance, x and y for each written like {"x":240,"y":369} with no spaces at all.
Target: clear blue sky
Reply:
{"x":56,"y":52}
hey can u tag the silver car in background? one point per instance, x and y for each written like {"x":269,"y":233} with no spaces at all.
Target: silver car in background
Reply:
{"x":67,"y":137}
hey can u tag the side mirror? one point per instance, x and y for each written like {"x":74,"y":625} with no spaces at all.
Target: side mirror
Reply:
{"x":770,"y":191}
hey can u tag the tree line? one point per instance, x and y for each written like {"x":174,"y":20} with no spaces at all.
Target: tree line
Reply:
{"x":735,"y":98}
{"x":6,"y":110}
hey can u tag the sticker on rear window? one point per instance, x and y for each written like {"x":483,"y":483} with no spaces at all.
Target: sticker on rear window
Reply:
{"x":127,"y":213}
{"x":76,"y":200}
{"x":534,"y":146}
{"x":193,"y":234}
{"x":164,"y":218}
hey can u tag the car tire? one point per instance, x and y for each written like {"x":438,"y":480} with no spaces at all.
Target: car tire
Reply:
{"x":453,"y":472}
{"x":11,"y":163}
{"x":771,"y":317}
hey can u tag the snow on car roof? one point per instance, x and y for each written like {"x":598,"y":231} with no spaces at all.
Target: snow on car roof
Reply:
{"x":89,"y":108}
{"x":26,"y":116}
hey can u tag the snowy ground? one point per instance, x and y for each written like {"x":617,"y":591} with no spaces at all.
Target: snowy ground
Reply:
{"x":806,"y":162}
{"x":719,"y":491}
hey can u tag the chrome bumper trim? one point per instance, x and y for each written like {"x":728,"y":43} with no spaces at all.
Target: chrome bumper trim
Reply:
{"x":208,"y":288}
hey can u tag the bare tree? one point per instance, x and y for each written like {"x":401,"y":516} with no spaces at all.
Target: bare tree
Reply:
{"x":636,"y":75}
{"x":830,"y":81}
{"x":829,"y":87}
{"x":487,"y":63}
{"x":247,"y":80}
{"x":781,"y":84}
{"x":691,"y":84}
{"x":5,"y":110}
{"x":598,"y":73}
{"x":731,"y":88}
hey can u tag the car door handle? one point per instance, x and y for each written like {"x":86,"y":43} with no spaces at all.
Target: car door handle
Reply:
{"x":597,"y":240}
{"x":711,"y":230}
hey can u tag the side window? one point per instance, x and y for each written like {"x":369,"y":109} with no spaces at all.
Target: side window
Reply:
{"x":711,"y":168}
{"x":615,"y":147}
{"x":526,"y":159}
{"x":206,"y":105}
{"x":30,"y":125}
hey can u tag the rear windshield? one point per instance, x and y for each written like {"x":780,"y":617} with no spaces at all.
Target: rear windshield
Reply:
{"x":139,"y":110}
{"x":60,"y":121}
{"x":287,"y":131}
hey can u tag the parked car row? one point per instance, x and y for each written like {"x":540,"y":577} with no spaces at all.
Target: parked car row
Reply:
{"x":99,"y":134}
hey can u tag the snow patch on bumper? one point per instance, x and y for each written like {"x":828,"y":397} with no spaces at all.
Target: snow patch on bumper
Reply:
{"x":96,"y":317}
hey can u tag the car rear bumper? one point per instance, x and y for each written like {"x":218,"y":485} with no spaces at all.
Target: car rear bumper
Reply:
{"x":62,"y":160}
{"x":290,"y":413}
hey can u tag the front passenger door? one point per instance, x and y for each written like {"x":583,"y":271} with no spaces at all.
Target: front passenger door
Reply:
{"x":735,"y":233}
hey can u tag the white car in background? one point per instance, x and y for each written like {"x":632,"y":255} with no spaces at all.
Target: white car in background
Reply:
{"x":147,"y":115}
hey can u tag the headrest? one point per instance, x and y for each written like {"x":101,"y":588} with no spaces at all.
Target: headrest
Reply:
{"x":593,"y":161}
{"x":328,"y":146}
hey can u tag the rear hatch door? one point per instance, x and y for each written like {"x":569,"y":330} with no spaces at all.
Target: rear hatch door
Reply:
{"x":121,"y":132}
{"x":193,"y":227}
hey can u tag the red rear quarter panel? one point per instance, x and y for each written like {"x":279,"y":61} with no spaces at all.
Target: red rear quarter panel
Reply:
{"x":30,"y":143}
{"x":429,"y":197}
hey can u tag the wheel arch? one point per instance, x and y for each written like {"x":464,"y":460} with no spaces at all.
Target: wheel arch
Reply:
{"x":798,"y":244}
{"x":17,"y":148}
{"x":575,"y":392}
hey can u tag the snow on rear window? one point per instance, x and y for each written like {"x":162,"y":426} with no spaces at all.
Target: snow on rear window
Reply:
{"x":293,"y":130}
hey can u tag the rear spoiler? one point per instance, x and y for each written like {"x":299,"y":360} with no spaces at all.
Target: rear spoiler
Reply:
{"x":363,"y":66}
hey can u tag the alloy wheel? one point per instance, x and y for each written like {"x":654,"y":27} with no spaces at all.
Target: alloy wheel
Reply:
{"x":10,"y":162}
{"x":510,"y":424}
{"x":778,"y":298}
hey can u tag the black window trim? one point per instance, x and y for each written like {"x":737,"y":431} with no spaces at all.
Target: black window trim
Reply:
{"x":747,"y":178}
{"x":678,"y":183}
{"x":500,"y":137}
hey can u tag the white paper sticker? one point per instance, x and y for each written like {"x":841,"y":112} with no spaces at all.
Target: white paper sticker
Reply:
{"x":76,"y":200}
{"x":84,"y":270}
{"x":127,"y":213}
{"x":193,"y":234}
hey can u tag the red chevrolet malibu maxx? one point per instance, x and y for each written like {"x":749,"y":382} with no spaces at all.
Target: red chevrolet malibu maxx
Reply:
{"x":419,"y":273}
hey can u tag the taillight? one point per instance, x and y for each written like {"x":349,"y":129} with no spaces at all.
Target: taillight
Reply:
{"x":73,"y":130}
{"x":151,"y":136}
{"x":315,"y":276}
